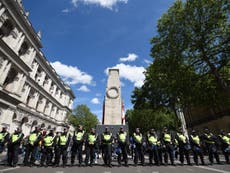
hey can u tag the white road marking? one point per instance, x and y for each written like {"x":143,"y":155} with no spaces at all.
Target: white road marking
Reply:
{"x":9,"y":169}
{"x":212,"y":169}
{"x":107,"y":172}
{"x":59,"y":171}
{"x":155,"y":172}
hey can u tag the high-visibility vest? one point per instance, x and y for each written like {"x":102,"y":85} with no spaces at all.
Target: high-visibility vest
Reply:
{"x":48,"y":141}
{"x":152,"y":140}
{"x":79,"y":135}
{"x":107,"y":137}
{"x":138,"y":138}
{"x":63,"y":139}
{"x":209,"y":141}
{"x":92,"y":139}
{"x":15,"y":137}
{"x":167,"y":137}
{"x":122,"y":137}
{"x":196,"y":139}
{"x":182,"y":137}
{"x":226,"y":139}
{"x":32,"y":138}
{"x":2,"y":136}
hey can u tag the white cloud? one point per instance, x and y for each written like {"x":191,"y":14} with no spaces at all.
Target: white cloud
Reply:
{"x":103,"y":3}
{"x":83,"y":88}
{"x":130,"y":57}
{"x":72,"y":75}
{"x":132,"y":73}
{"x":95,"y":101}
{"x":66,"y":10}
{"x":147,"y":61}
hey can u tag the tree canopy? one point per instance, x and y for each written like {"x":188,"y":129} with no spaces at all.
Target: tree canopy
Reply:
{"x":191,"y":60}
{"x":82,"y":115}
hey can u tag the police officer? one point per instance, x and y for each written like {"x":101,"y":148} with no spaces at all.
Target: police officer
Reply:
{"x":32,"y":147}
{"x":183,"y":144}
{"x":106,"y":140}
{"x":225,"y":145}
{"x":210,"y":143}
{"x":78,"y":141}
{"x":138,"y":148}
{"x":168,"y":146}
{"x":4,"y":138}
{"x":56,"y":149}
{"x":13,"y":147}
{"x":152,"y":141}
{"x":122,"y":139}
{"x":91,"y":146}
{"x":195,"y":143}
{"x":63,"y":143}
{"x":47,"y":149}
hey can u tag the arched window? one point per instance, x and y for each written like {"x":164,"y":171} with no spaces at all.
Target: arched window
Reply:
{"x":6,"y":28}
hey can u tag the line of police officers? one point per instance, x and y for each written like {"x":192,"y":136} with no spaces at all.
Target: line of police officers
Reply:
{"x":160,"y":147}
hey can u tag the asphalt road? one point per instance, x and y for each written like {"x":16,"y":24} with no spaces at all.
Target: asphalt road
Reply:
{"x":115,"y":169}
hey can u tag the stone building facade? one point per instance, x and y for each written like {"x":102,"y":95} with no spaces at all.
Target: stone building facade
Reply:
{"x":31,"y":92}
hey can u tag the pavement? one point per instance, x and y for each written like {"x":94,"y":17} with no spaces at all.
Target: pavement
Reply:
{"x":99,"y":168}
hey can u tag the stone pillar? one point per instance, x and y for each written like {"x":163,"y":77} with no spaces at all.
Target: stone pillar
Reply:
{"x":33,"y":101}
{"x":29,"y":57}
{"x":19,"y":43}
{"x":41,"y":105}
{"x":2,"y":10}
{"x":48,"y":108}
{"x":42,"y":78}
{"x":4,"y":71}
{"x":35,"y":66}
{"x":25,"y":93}
{"x":47,"y":84}
{"x":53,"y":112}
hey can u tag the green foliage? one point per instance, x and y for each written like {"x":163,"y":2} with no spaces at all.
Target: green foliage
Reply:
{"x":146,"y":119}
{"x":81,"y":115}
{"x":191,"y":64}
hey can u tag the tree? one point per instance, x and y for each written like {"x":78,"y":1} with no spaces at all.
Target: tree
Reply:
{"x":81,"y":115}
{"x":150,"y":118}
{"x":197,"y":33}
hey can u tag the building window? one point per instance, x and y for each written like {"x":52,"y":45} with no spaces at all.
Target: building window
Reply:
{"x":24,"y":48}
{"x":6,"y":28}
{"x":10,"y":77}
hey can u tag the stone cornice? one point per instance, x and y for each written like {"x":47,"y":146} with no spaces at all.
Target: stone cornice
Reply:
{"x":18,"y":14}
{"x":4,"y":48}
{"x":8,"y":99}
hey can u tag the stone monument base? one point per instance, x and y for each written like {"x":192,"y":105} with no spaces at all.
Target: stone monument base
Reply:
{"x":114,"y":129}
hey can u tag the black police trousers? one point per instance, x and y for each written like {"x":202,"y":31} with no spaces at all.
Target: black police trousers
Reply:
{"x":107,"y":154}
{"x":153,"y":153}
{"x":139,"y":154}
{"x":61,"y":151}
{"x":168,"y":151}
{"x":76,"y":149}
{"x":12,"y":154}
{"x":90,"y":154}
{"x":197,"y":151}
{"x":30,"y":154}
{"x":124,"y":154}
{"x":47,"y":153}
{"x":212,"y":152}
{"x":184,"y":152}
